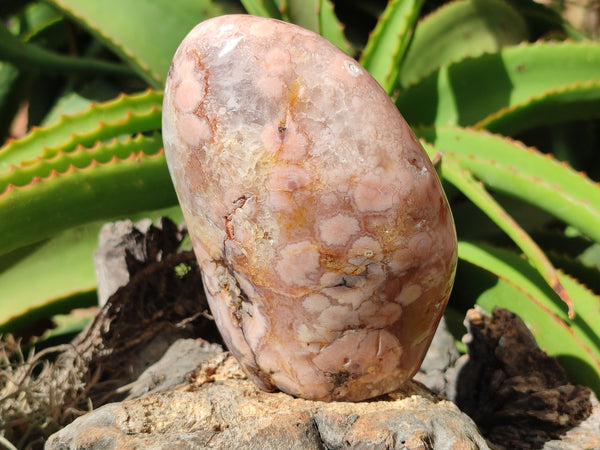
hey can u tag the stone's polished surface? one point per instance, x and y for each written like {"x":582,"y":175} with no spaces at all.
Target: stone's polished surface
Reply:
{"x":326,"y":243}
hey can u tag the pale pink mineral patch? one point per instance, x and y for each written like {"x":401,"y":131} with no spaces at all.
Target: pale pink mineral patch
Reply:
{"x":326,"y":242}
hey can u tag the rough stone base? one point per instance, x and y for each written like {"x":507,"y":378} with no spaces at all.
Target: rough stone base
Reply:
{"x":219,"y":408}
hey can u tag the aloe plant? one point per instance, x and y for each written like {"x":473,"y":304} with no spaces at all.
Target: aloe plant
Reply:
{"x":481,"y":83}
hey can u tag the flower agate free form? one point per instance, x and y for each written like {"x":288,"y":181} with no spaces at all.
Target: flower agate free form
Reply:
{"x":326,"y":243}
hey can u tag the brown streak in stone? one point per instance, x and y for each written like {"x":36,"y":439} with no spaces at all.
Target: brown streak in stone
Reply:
{"x":238,"y":203}
{"x":291,"y":221}
{"x":338,"y":378}
{"x":330,"y":260}
{"x":200,"y":111}
{"x":292,"y":98}
{"x":238,"y":314}
{"x":229,"y":228}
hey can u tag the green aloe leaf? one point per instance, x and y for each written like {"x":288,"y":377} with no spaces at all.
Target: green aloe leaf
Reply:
{"x":69,"y":104}
{"x":544,"y":21}
{"x":468,"y":91}
{"x":520,"y":288}
{"x":582,"y":268}
{"x":264,"y":8}
{"x":127,"y":114}
{"x":476,"y":192}
{"x":46,"y":206}
{"x":33,"y":57}
{"x":331,"y":28}
{"x":565,"y":104}
{"x":11,"y":95}
{"x":38,"y":17}
{"x":386,"y":47}
{"x":82,"y":157}
{"x":485,"y":27}
{"x":302,"y":12}
{"x":318,"y":16}
{"x":65,"y":276}
{"x":144,"y":33}
{"x":509,"y":167}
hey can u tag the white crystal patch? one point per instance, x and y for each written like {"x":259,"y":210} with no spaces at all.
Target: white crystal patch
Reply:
{"x":229,"y":45}
{"x":353,"y":68}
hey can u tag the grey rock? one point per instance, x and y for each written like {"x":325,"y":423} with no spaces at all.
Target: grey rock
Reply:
{"x":519,"y":396}
{"x":441,"y":357}
{"x":503,"y":347}
{"x":585,"y":436}
{"x":182,"y":358}
{"x":442,"y":352}
{"x":219,"y":408}
{"x":109,"y":258}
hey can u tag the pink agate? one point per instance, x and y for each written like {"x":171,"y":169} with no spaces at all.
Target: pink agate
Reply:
{"x":325,"y":240}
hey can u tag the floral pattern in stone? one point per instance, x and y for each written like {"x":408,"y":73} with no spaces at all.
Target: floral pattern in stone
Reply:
{"x":325,"y":240}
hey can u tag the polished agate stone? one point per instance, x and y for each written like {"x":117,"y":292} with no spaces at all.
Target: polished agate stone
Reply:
{"x":325,"y":241}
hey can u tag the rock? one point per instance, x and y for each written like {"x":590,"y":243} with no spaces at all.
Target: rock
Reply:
{"x":182,"y":358}
{"x":585,"y":435}
{"x":220,"y":408}
{"x":325,"y":240}
{"x":217,"y":407}
{"x":160,"y":304}
{"x":440,"y":358}
{"x":109,"y":257}
{"x":518,"y":395}
{"x":123,"y":241}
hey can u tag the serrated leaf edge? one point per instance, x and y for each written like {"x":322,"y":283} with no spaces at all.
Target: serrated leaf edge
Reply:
{"x":484,"y":123}
{"x":456,"y":60}
{"x":139,"y":139}
{"x":476,"y":192}
{"x":54,"y":174}
{"x":512,"y":141}
{"x":154,"y":77}
{"x":532,"y":178}
{"x":538,"y":302}
{"x":15,"y":145}
{"x":122,"y":98}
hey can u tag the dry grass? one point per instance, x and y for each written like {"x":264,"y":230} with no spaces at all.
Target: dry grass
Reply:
{"x":37,"y":395}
